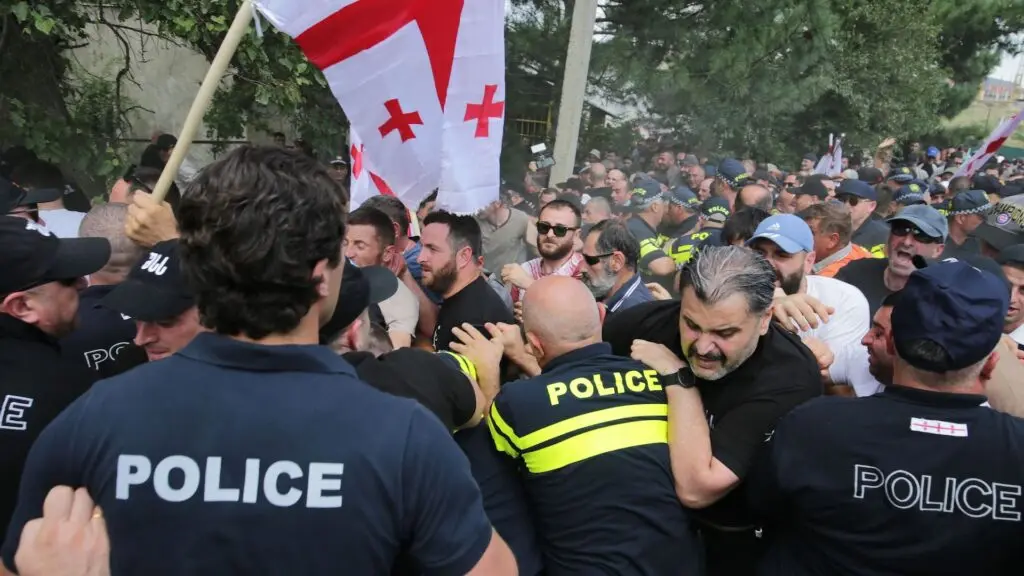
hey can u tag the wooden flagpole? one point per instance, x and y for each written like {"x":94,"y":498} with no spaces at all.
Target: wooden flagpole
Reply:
{"x":206,"y":91}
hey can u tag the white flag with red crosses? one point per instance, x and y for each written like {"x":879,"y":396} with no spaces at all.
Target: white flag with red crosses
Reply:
{"x":423,"y":85}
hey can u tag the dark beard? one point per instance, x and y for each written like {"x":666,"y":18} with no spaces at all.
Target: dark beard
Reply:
{"x":444,"y":278}
{"x":561,"y":251}
{"x":790,"y":285}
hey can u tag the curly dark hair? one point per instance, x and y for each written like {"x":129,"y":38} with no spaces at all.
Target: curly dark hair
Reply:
{"x":253,"y":226}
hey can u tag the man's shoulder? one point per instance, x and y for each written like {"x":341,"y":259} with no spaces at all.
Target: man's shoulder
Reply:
{"x":638,"y":228}
{"x":786,"y":364}
{"x":862,"y":266}
{"x":836,"y":293}
{"x":657,"y":321}
{"x":820,"y":414}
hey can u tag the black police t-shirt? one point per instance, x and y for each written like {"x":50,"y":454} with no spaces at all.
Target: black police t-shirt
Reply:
{"x":742,"y":407}
{"x":422,"y":376}
{"x":476,"y":304}
{"x":906,"y":481}
{"x":101,"y":334}
{"x":868,"y":276}
{"x":235,"y":458}
{"x":36,"y":384}
{"x":872,"y":235}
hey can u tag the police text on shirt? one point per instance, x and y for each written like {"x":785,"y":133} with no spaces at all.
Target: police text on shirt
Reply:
{"x":322,"y":485}
{"x":632,"y":381}
{"x":971,"y":497}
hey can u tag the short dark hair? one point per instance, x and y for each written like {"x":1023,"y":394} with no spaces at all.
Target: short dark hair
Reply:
{"x":253,"y":226}
{"x":394,"y":209}
{"x":462,"y":231}
{"x":558,"y":204}
{"x":615,"y":236}
{"x":741,"y":225}
{"x":38,"y":175}
{"x":926,"y":352}
{"x":959,"y":184}
{"x":145,"y":179}
{"x":382,"y":226}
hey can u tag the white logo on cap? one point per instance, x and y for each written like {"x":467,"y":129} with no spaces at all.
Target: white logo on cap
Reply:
{"x":774,"y":226}
{"x":157,"y":264}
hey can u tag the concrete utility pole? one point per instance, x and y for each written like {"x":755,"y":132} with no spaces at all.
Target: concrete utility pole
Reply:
{"x":574,"y":85}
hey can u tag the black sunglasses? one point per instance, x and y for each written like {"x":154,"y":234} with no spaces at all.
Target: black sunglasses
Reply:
{"x":593,"y":260}
{"x":848,"y":199}
{"x":560,"y":231}
{"x":903,"y":230}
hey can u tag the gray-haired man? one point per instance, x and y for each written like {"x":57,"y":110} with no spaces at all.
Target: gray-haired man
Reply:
{"x":741,"y":373}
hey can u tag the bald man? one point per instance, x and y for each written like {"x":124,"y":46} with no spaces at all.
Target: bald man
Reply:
{"x":589,"y":435}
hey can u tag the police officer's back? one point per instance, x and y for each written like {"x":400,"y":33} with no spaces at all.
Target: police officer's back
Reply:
{"x":919,"y":479}
{"x":590,"y":434}
{"x":253,"y":449}
{"x":39,"y":280}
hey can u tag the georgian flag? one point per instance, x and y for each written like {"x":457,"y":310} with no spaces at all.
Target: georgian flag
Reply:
{"x":992,"y":145}
{"x":423,"y":85}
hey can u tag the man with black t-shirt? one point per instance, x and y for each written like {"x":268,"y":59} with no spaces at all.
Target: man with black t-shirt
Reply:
{"x":740,"y":375}
{"x":457,"y":388}
{"x":282,"y":444}
{"x":916,"y":230}
{"x":862,"y":199}
{"x":919,"y":479}
{"x":102,"y":333}
{"x":450,"y":258}
{"x":39,"y":280}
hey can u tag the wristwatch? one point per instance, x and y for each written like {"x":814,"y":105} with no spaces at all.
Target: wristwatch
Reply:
{"x":683,"y":378}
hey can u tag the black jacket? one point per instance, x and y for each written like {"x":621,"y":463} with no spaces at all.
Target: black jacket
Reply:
{"x":36,"y":384}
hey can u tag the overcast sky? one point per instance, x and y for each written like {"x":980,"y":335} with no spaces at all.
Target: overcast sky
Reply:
{"x":1007,"y":68}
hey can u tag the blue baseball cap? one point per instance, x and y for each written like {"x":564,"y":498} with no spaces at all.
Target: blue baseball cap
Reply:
{"x":901,"y":174}
{"x":732,"y":171}
{"x":682,"y":196}
{"x":911,"y":193}
{"x":969,"y":202}
{"x":926,"y":218}
{"x":857,"y":188}
{"x":788,"y":231}
{"x":955,"y":306}
{"x":645,"y":192}
{"x":933,"y":152}
{"x":715,"y":209}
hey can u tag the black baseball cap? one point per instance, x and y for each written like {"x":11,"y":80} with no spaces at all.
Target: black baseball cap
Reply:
{"x":155,"y":289}
{"x":812,"y":187}
{"x":870,"y":175}
{"x":360,"y":287}
{"x":32,"y":256}
{"x":13,"y":196}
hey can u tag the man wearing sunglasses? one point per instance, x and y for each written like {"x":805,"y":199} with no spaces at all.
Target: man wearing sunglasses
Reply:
{"x":917,"y":230}
{"x":40,"y":276}
{"x":610,"y":254}
{"x":862,"y":199}
{"x":558,"y":226}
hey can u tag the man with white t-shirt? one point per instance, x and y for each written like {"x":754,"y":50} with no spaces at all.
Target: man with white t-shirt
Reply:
{"x":787,"y":242}
{"x":45,"y":178}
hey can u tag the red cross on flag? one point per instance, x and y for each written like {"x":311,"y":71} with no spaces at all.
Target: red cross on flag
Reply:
{"x":991,"y":145}
{"x":423,"y":85}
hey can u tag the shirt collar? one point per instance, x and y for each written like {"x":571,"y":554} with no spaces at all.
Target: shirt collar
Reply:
{"x":932,"y":398}
{"x":588,"y":351}
{"x":839,"y":255}
{"x":220,"y":350}
{"x":15,"y":329}
{"x":612,"y":300}
{"x":96,"y":292}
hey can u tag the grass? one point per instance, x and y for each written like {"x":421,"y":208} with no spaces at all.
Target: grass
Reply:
{"x":989,"y":113}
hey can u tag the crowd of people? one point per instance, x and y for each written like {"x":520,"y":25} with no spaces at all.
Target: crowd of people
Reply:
{"x":663,"y":365}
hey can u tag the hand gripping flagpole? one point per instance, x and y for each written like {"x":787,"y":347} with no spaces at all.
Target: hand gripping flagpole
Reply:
{"x":204,"y":97}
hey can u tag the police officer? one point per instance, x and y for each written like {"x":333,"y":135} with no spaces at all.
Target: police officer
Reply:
{"x":591,"y":437}
{"x":253,"y":449}
{"x":920,"y":479}
{"x":40,"y":276}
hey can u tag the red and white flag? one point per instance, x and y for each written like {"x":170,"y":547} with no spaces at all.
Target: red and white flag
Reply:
{"x":423,"y":85}
{"x":992,"y":144}
{"x":831,"y":163}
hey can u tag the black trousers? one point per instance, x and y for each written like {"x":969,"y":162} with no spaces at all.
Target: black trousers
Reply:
{"x":732,"y":553}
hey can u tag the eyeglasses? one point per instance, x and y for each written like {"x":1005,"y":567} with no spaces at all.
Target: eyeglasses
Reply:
{"x":848,"y":199}
{"x":560,"y":231}
{"x":904,"y":230}
{"x":593,"y":260}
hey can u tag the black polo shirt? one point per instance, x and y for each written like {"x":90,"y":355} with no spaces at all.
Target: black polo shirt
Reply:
{"x":590,"y":435}
{"x":475,"y":304}
{"x":741,"y":408}
{"x":906,"y":481}
{"x":237,"y":458}
{"x":101,"y":334}
{"x":36,"y":384}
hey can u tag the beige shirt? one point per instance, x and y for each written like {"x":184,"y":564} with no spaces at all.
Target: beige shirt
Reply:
{"x":505,"y":244}
{"x":401,"y":311}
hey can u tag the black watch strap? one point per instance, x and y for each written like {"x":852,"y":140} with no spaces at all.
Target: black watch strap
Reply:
{"x":684,"y":378}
